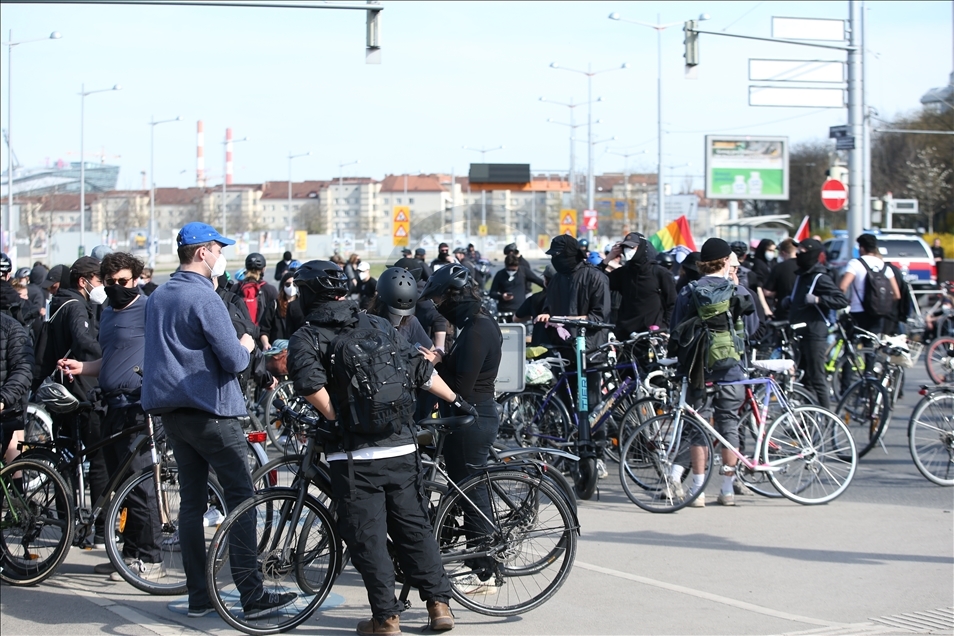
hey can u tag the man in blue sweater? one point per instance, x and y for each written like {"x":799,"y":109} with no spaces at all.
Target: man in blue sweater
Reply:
{"x":190,"y":378}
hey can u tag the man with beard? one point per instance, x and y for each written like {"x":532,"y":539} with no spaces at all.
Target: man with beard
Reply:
{"x":443,"y":257}
{"x":648,"y":292}
{"x":814,"y":296}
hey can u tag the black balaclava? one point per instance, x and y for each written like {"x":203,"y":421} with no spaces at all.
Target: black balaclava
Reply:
{"x":459,"y":308}
{"x":807,"y":259}
{"x":120,"y":297}
{"x":565,"y":254}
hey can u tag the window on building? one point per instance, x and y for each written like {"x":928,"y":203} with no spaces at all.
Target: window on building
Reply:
{"x":398,"y":200}
{"x":411,"y":200}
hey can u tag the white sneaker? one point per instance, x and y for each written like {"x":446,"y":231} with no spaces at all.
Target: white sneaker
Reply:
{"x":145,"y":571}
{"x":212,"y":518}
{"x":471,"y":585}
{"x":171,"y":544}
{"x":601,"y":469}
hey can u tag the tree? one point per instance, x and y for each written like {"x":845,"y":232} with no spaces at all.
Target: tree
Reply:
{"x":808,"y":163}
{"x":928,"y":181}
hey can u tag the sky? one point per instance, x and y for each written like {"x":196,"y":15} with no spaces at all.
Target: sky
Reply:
{"x":453,"y":74}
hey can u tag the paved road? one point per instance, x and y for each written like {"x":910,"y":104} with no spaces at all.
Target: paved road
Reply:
{"x":878,"y":560}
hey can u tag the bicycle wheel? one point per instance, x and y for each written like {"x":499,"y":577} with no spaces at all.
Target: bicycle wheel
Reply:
{"x":271,"y":419}
{"x":36,"y":521}
{"x":940,"y":361}
{"x":931,"y":437}
{"x":585,"y":476}
{"x":865,"y":408}
{"x":655,"y":463}
{"x":535,"y":420}
{"x":629,"y":412}
{"x":262,"y":539}
{"x":129,"y":522}
{"x":522,"y":558}
{"x":813,"y":453}
{"x":757,"y":481}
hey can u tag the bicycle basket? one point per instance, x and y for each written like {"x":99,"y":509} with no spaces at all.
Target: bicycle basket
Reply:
{"x":902,"y":352}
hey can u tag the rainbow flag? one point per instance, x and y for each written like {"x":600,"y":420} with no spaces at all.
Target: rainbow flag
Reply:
{"x":676,"y":233}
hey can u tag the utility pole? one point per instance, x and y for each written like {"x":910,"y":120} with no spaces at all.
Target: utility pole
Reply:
{"x":856,"y":178}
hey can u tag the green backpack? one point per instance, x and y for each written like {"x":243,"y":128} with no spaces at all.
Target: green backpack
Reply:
{"x":724,"y":340}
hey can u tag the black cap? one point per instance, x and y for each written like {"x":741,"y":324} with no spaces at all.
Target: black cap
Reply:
{"x":633,"y":239}
{"x":406,"y":252}
{"x":714,"y":249}
{"x":690,"y":261}
{"x":420,"y":251}
{"x":56,"y":275}
{"x":563,"y":244}
{"x":85,"y":265}
{"x":412,"y":265}
{"x":811,"y":244}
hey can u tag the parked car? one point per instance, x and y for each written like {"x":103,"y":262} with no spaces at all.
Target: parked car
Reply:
{"x":908,"y":252}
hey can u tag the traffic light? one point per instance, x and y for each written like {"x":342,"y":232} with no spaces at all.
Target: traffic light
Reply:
{"x":691,"y":42}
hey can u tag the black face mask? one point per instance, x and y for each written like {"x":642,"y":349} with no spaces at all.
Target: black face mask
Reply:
{"x":119,"y":296}
{"x":564,"y":263}
{"x":806,"y":260}
{"x":459,"y":310}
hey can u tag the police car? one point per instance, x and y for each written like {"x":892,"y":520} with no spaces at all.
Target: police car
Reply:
{"x":907,"y":251}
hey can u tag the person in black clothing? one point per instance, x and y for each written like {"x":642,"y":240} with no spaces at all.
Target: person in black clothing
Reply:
{"x":509,"y":286}
{"x":426,"y":312}
{"x":288,"y":316}
{"x":813,"y":296}
{"x":366,"y":285}
{"x":476,"y":277}
{"x":761,"y":266}
{"x":470,"y":370}
{"x":533,"y":307}
{"x":378,"y":495}
{"x":145,"y":281}
{"x":648,"y":292}
{"x":16,"y":376}
{"x":781,"y":280}
{"x":530,"y":276}
{"x":688,"y":271}
{"x":282,"y":266}
{"x":443,"y":257}
{"x":937,"y":252}
{"x":426,"y":272}
{"x":260,"y":296}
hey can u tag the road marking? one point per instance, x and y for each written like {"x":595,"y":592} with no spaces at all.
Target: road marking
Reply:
{"x":129,"y":614}
{"x":723,"y":600}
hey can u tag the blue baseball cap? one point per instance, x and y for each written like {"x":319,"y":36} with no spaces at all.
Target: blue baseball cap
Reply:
{"x":195,"y":232}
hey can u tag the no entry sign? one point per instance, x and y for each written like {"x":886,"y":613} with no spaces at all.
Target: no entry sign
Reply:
{"x":834,"y":195}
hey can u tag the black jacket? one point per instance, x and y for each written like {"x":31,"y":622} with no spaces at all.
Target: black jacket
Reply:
{"x":16,"y":365}
{"x":648,"y":297}
{"x":507,"y":282}
{"x":310,"y":368}
{"x":585,"y":292}
{"x":530,"y":276}
{"x":830,"y":297}
{"x":75,"y":330}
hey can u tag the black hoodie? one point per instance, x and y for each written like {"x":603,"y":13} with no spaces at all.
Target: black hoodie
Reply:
{"x":648,"y":295}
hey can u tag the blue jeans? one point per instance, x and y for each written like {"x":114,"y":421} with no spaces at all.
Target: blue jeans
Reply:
{"x":199,"y":441}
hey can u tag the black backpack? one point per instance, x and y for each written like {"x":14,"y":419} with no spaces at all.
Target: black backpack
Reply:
{"x":367,"y":367}
{"x":43,"y":355}
{"x":879,"y":296}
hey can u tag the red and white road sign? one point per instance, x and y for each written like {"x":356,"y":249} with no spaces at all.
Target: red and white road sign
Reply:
{"x":834,"y":195}
{"x":590,"y":220}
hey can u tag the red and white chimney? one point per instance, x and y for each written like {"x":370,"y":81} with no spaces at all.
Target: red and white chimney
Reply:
{"x":200,"y":155}
{"x":228,"y":156}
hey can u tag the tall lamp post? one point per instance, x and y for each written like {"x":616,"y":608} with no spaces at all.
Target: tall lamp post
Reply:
{"x":659,"y":27}
{"x":341,"y":167}
{"x":10,"y":44}
{"x":573,"y":126}
{"x":153,"y":240}
{"x":590,"y":74}
{"x":227,"y":174}
{"x":483,"y":193}
{"x":626,"y":156}
{"x":83,"y":94}
{"x":290,"y":157}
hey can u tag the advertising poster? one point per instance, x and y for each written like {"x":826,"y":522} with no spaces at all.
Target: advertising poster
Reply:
{"x":740,"y":168}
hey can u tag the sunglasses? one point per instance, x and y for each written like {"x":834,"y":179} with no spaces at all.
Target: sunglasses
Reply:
{"x":117,"y":281}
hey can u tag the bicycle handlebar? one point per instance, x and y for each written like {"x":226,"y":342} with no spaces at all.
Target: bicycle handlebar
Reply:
{"x":580,"y":322}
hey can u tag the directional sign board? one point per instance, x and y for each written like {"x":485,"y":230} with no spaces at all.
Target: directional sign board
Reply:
{"x":590,"y":220}
{"x":402,"y":225}
{"x":834,"y":195}
{"x":568,"y":222}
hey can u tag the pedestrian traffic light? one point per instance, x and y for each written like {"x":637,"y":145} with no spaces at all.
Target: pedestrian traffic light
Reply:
{"x":691,"y":42}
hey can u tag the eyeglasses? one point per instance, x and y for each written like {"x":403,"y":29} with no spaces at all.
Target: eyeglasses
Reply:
{"x":117,"y":281}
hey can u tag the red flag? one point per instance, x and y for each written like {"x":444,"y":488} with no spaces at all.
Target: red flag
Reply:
{"x":804,"y":231}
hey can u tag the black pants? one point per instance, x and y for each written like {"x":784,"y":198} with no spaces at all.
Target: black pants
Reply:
{"x":814,"y":349}
{"x":143,"y":529}
{"x":874,"y":324}
{"x":200,"y":440}
{"x":388,"y":501}
{"x":88,"y":425}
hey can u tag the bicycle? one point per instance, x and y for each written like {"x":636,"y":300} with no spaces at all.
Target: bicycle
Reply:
{"x":36,"y":521}
{"x":931,"y":435}
{"x":939,"y":361}
{"x":807,"y":453}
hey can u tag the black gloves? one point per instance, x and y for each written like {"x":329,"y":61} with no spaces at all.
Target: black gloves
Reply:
{"x":463,"y":407}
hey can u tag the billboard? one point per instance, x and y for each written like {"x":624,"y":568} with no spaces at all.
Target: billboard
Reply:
{"x":746,"y":167}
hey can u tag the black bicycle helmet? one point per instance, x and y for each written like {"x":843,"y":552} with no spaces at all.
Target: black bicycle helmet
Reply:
{"x":510,"y":247}
{"x":584,"y":244}
{"x":740,"y":248}
{"x":665,"y":259}
{"x":319,"y":282}
{"x":56,"y":398}
{"x":445,"y":280}
{"x":414,"y":265}
{"x":23,"y":272}
{"x":6,"y":265}
{"x":255,"y":261}
{"x":398,"y":290}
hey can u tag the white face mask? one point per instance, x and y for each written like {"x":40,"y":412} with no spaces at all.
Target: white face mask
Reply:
{"x":628,"y":253}
{"x":770,"y":255}
{"x":97,"y":295}
{"x":291,"y":291}
{"x":364,"y":276}
{"x":219,"y":268}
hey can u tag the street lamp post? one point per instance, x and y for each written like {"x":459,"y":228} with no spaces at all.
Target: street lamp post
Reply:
{"x":626,"y":156}
{"x":290,"y":157}
{"x":661,"y":212}
{"x":227,"y":173}
{"x":153,"y":240}
{"x":341,"y":187}
{"x":573,"y":126}
{"x":83,"y":94}
{"x":10,"y":44}
{"x":590,"y":73}
{"x":483,"y":193}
